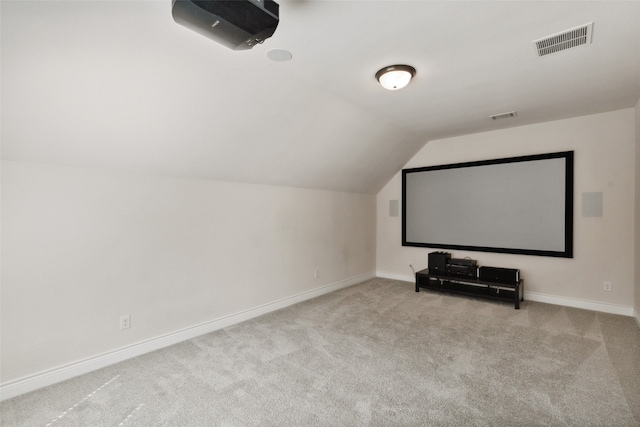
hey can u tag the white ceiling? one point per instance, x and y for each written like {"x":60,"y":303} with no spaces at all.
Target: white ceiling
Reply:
{"x":118,"y":84}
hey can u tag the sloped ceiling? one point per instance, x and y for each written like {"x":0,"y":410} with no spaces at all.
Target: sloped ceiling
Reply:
{"x":118,"y":84}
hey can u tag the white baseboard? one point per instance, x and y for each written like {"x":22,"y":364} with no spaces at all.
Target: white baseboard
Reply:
{"x":577,"y":303}
{"x":549,"y":299}
{"x":61,"y":373}
{"x":393,"y":276}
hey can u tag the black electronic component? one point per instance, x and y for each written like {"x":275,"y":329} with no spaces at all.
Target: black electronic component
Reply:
{"x":438,"y":262}
{"x":463,"y":261}
{"x":236,"y":24}
{"x":461,"y":270}
{"x":502,"y":275}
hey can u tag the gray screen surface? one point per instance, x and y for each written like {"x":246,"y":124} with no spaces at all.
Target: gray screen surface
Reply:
{"x":519,"y":206}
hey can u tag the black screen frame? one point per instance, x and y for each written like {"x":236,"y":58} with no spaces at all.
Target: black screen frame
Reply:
{"x":567,"y":252}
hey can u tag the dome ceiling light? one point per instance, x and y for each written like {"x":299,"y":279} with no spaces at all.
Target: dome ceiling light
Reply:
{"x":395,"y":77}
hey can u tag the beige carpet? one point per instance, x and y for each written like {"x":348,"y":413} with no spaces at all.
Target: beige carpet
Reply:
{"x":374,"y":354}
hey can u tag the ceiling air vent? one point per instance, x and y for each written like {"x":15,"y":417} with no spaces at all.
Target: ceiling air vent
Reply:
{"x":565,"y":40}
{"x":504,"y":115}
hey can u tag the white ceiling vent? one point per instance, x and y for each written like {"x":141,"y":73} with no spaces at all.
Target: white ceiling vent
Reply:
{"x":565,"y":40}
{"x":504,"y":115}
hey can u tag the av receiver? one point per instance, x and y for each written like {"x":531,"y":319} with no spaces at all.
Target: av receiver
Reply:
{"x":463,"y":261}
{"x":461,"y":270}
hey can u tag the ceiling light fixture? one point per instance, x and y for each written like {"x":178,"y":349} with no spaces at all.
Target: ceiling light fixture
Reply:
{"x":395,"y":77}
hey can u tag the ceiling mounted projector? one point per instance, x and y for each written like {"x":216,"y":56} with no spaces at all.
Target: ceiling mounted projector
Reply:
{"x":236,"y":24}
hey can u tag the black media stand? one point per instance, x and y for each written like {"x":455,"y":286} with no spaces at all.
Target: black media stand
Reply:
{"x":470,"y":286}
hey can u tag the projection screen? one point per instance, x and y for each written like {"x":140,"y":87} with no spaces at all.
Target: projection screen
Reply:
{"x":521,"y":205}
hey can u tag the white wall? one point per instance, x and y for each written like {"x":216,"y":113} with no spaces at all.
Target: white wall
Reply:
{"x":637,"y":217}
{"x":82,"y":247}
{"x":603,"y":247}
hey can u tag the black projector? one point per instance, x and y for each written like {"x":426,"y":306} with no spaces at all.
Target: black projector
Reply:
{"x":236,"y":24}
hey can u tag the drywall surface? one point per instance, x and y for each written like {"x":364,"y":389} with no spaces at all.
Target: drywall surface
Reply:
{"x":82,"y":247}
{"x":604,"y":148}
{"x":637,"y":216}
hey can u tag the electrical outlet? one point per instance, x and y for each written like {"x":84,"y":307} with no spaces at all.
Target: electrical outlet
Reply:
{"x":316,"y":273}
{"x":606,"y":286}
{"x":125,"y":321}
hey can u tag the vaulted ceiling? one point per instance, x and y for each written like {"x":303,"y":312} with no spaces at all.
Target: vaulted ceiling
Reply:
{"x":120,"y":85}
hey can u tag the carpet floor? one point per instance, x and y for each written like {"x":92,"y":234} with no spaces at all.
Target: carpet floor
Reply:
{"x":373,"y":354}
